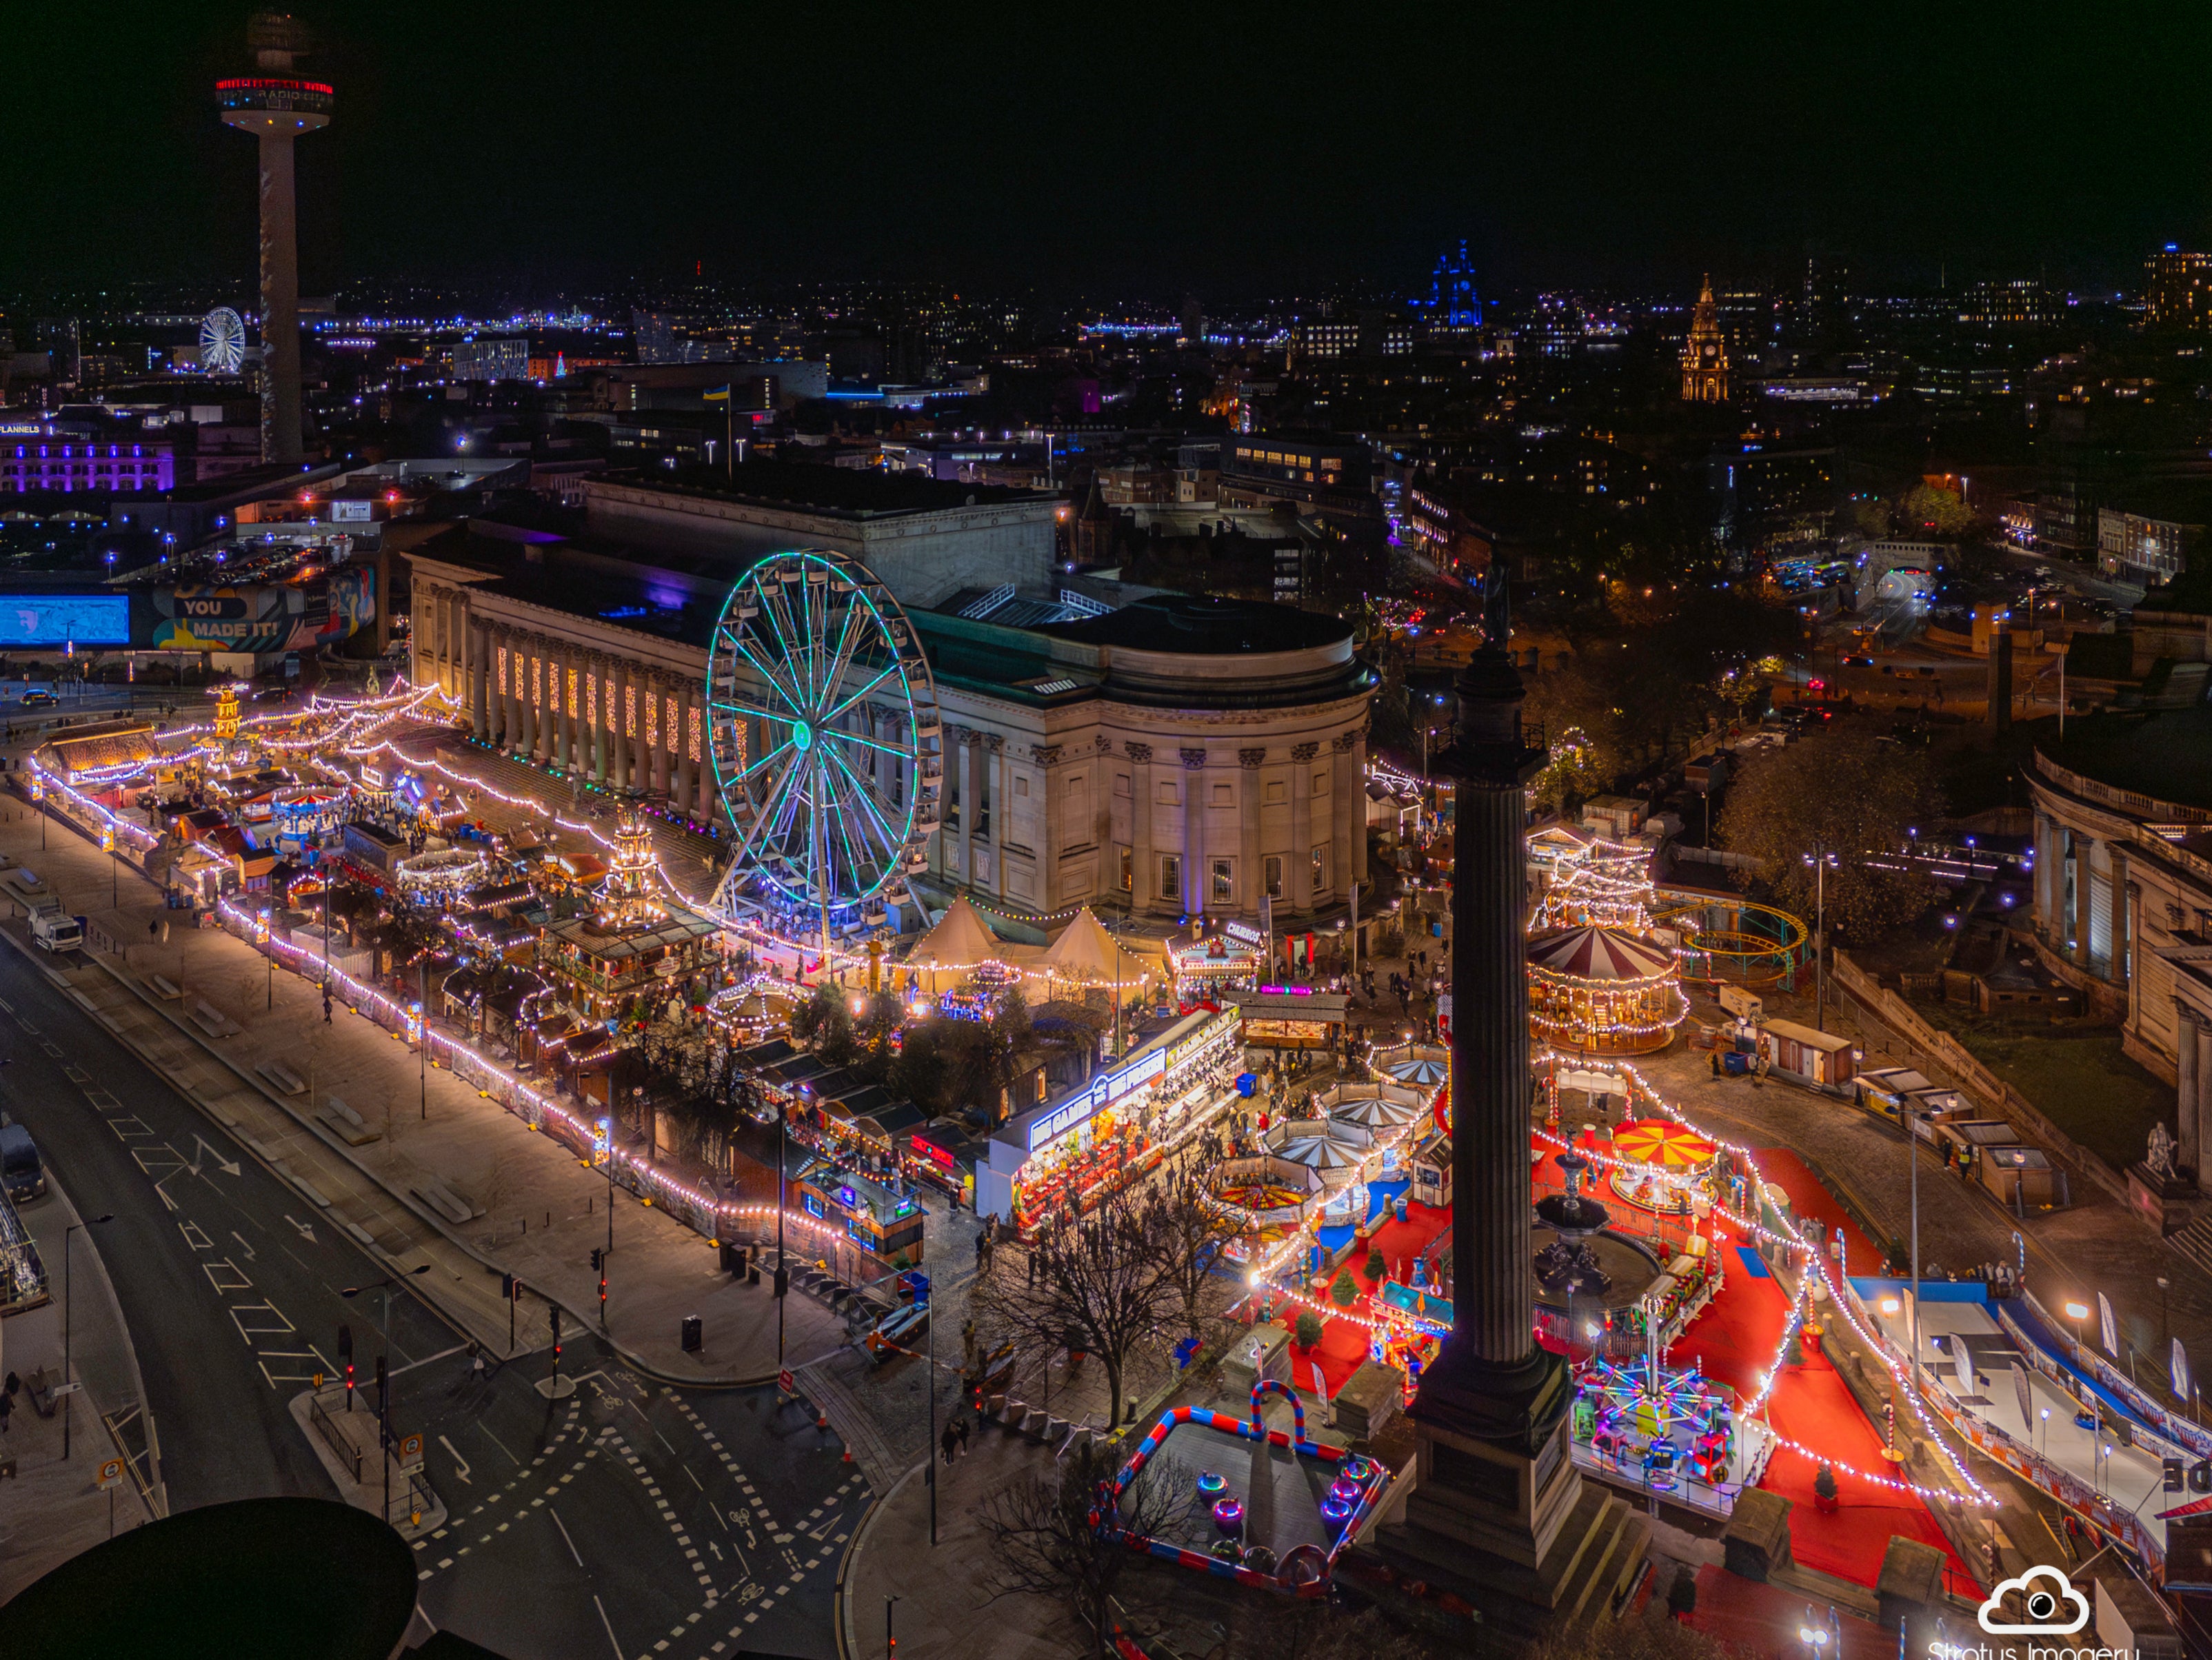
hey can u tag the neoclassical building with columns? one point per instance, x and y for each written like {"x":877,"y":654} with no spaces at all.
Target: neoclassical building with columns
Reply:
{"x":2124,"y":892}
{"x":1176,"y":757}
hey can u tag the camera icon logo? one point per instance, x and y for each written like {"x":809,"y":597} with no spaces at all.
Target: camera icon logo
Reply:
{"x":2054,"y":1608}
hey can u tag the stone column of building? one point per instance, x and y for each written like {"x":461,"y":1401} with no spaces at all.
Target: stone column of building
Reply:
{"x":611,"y":693}
{"x":1298,"y":889}
{"x":427,"y":649}
{"x":456,"y":625}
{"x":687,"y":772}
{"x":2085,"y":850}
{"x":2188,"y":1094}
{"x":592,"y":750}
{"x":664,"y":689}
{"x":1143,"y":874}
{"x":1251,"y":878}
{"x":510,"y":715}
{"x":1196,"y":890}
{"x":479,"y":697}
{"x":2116,"y":921}
{"x":536,"y":742}
{"x":1050,"y":834}
{"x":1348,"y":795}
{"x":969,"y":793}
{"x":577,"y":749}
{"x":997,"y":771}
{"x":2050,"y":877}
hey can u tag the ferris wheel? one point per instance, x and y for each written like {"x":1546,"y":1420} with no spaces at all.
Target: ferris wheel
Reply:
{"x":827,"y":739}
{"x":222,"y":341}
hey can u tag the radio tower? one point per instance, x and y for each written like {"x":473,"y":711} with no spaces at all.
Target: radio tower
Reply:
{"x":277,"y":109}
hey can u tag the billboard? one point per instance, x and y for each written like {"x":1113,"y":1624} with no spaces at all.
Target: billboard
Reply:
{"x":59,"y":619}
{"x":262,"y":618}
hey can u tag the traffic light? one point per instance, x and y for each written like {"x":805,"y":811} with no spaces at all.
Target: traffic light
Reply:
{"x":555,"y":1310}
{"x":345,"y":1353}
{"x":507,"y":1288}
{"x":599,"y":1260}
{"x":783,"y":1281}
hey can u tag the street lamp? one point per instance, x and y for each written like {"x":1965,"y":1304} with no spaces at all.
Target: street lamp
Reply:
{"x":68,"y":1306}
{"x":1820,"y":862}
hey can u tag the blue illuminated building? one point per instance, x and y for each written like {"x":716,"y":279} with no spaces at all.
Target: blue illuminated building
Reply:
{"x":1452,"y":296}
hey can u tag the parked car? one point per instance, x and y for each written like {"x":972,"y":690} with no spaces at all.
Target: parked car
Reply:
{"x":20,"y":1170}
{"x":37,"y":700}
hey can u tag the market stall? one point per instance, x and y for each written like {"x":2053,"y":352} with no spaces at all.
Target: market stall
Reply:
{"x":1291,"y":1017}
{"x":1222,"y":960}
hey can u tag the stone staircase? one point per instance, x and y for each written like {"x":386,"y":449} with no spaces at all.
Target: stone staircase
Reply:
{"x":2195,"y":1241}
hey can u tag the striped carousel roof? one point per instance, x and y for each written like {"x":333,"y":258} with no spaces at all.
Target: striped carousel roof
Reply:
{"x":1597,"y":953}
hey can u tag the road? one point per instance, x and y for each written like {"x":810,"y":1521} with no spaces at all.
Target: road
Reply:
{"x":622,"y":1517}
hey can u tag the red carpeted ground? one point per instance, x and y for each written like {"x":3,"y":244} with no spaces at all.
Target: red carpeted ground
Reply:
{"x":1811,"y":1200}
{"x":1734,"y":1341}
{"x":1343,"y":1345}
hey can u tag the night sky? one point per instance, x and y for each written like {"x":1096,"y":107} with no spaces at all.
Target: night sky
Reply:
{"x":1233,"y":151}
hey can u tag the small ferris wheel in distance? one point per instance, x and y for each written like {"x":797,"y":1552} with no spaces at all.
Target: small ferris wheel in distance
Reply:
{"x":223,"y":341}
{"x":827,"y":739}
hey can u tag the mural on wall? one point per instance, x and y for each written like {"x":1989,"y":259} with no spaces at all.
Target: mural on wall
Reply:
{"x":197,"y":617}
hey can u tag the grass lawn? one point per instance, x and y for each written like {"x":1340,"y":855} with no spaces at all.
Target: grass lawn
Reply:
{"x":2083,"y":1085}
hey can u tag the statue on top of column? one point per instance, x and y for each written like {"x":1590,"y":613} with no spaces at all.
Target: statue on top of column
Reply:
{"x":1497,"y":621}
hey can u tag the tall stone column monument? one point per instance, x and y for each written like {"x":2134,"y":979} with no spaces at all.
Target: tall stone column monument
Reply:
{"x":1498,"y":1514}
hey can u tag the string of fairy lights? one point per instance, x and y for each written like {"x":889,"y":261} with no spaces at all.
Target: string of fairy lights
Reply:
{"x":1816,"y":1260}
{"x":1602,"y":880}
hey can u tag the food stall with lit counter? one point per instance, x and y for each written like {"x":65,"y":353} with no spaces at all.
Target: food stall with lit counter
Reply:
{"x":1116,"y":1125}
{"x":1291,"y":1017}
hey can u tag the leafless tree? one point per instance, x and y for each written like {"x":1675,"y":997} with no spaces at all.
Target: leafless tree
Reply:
{"x":1099,"y":1287}
{"x":1045,"y":1544}
{"x":1187,"y":1229}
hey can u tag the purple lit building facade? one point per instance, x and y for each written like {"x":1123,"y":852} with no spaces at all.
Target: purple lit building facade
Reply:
{"x":43,"y":455}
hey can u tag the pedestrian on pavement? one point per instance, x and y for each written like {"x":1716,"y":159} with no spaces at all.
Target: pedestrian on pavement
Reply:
{"x":949,"y":1441}
{"x":961,"y":1424}
{"x":7,"y":1410}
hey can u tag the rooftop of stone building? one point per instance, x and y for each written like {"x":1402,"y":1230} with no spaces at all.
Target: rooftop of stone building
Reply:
{"x":842,"y":491}
{"x":2166,"y":756}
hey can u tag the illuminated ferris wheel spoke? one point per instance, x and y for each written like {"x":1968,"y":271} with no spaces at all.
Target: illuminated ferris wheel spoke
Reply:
{"x":768,"y":759}
{"x":791,"y":696}
{"x":885,"y":675}
{"x":844,"y":737}
{"x":860,"y":793}
{"x":835,"y":667}
{"x":752,"y":709}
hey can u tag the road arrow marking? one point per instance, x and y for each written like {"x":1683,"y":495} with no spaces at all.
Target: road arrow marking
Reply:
{"x":305,"y":1231}
{"x":241,"y":1238}
{"x":460,"y":1464}
{"x":199,"y":1146}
